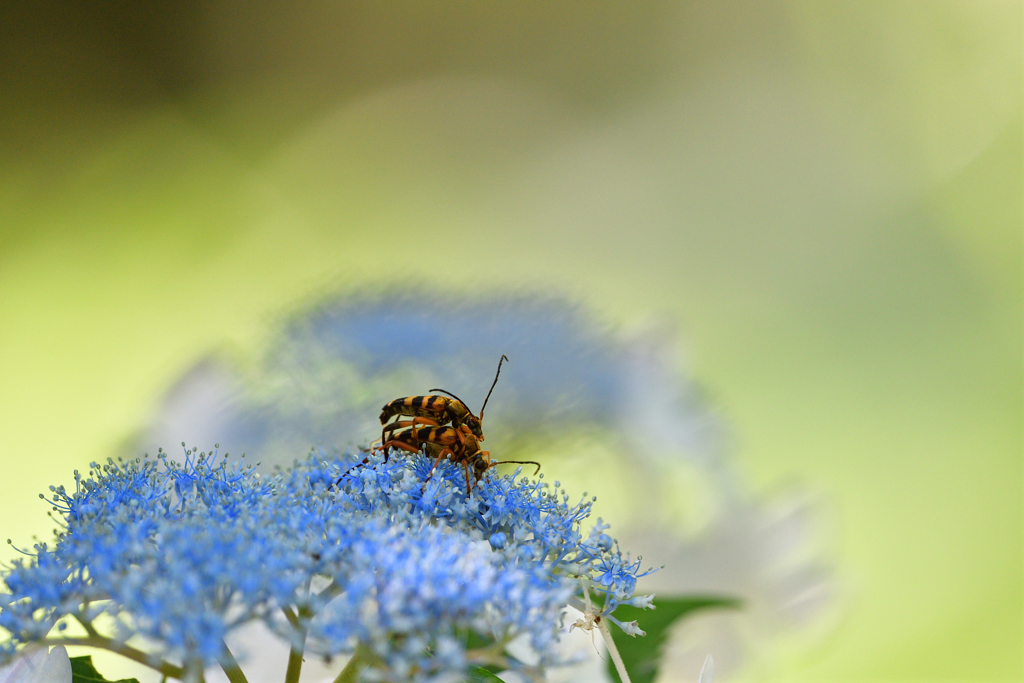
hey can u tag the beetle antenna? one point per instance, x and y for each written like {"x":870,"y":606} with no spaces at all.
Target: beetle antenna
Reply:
{"x":518,"y":462}
{"x":503,"y":359}
{"x":451,"y":394}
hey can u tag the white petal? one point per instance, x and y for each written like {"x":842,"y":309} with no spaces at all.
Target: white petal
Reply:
{"x":38,"y":666}
{"x":512,"y":677}
{"x":20,"y":670}
{"x":707,"y":672}
{"x":56,"y":668}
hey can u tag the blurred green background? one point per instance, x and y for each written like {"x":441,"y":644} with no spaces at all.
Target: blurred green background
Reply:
{"x":826,"y":195}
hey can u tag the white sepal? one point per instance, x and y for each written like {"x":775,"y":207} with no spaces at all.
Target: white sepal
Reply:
{"x":38,"y":666}
{"x":707,"y":672}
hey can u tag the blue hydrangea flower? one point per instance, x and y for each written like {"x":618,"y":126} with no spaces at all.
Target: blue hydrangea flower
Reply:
{"x":384,"y":560}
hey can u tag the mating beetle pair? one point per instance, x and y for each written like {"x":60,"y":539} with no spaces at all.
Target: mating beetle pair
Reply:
{"x":441,"y":427}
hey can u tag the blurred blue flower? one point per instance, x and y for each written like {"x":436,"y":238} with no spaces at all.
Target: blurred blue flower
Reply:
{"x":332,"y":368}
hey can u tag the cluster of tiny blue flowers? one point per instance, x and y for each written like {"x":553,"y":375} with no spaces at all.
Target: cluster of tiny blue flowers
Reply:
{"x":382,"y":559}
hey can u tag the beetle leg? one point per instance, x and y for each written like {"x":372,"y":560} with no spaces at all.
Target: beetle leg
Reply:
{"x":440,"y":456}
{"x":384,"y":447}
{"x":397,"y":444}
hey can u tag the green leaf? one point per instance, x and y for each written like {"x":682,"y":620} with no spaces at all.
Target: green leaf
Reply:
{"x":642,"y":654}
{"x":478,"y":674}
{"x":82,"y":671}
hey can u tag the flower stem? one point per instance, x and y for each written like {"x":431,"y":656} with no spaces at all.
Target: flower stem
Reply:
{"x":194,"y":672}
{"x":614,"y":651}
{"x":166,"y":668}
{"x":292,"y":618}
{"x":355,"y":666}
{"x":294,"y":665}
{"x":299,"y":620}
{"x":231,"y":667}
{"x":298,"y":646}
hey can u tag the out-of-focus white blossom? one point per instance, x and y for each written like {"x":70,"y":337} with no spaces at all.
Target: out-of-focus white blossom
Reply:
{"x":36,"y":665}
